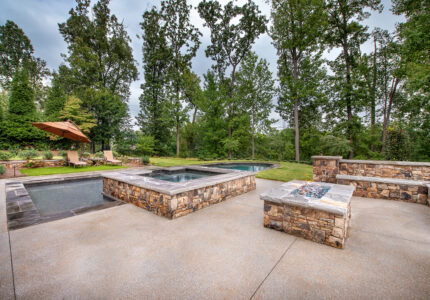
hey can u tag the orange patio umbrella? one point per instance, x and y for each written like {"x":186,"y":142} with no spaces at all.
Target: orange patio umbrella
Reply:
{"x":68,"y":129}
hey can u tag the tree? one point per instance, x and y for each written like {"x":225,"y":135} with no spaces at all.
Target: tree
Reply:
{"x":182,"y":41}
{"x":298,"y":26}
{"x":153,"y":118}
{"x":233,"y":31}
{"x":21,"y":100}
{"x":212,"y":124}
{"x":17,"y":129}
{"x":345,"y":32}
{"x":55,"y":100}
{"x":99,"y":51}
{"x":74,"y":111}
{"x":110,"y":114}
{"x":16,"y":52}
{"x":256,"y":90}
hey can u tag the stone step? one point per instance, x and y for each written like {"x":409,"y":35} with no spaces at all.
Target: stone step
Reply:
{"x":415,"y":191}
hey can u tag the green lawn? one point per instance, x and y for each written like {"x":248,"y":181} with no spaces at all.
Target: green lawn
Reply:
{"x":286,"y":172}
{"x":64,"y":170}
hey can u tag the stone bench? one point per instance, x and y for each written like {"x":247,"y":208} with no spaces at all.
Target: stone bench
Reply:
{"x":414,"y":191}
{"x":323,"y":220}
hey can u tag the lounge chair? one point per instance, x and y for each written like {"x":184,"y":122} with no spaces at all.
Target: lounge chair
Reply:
{"x":73,"y":159}
{"x":109,"y":158}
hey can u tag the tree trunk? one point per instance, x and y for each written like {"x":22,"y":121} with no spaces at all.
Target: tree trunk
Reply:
{"x":230,"y":129}
{"x":253,"y":133}
{"x":388,"y":112}
{"x":373,"y":95}
{"x":177,"y":139}
{"x":296,"y":109}
{"x":348,"y":95}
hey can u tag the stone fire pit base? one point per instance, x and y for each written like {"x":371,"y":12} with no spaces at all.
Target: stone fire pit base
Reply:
{"x":325,"y":220}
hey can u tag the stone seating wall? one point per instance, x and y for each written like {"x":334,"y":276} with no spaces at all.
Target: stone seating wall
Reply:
{"x":393,"y":180}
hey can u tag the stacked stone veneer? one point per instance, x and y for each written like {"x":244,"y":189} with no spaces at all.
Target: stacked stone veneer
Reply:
{"x":404,"y":181}
{"x":21,"y":163}
{"x":181,"y":204}
{"x":312,"y":224}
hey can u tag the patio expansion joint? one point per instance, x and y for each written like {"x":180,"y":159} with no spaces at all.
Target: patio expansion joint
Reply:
{"x":273,"y":268}
{"x":11,"y":266}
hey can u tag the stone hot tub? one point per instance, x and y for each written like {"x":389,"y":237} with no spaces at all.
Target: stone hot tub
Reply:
{"x":313,"y":210}
{"x":177,"y":191}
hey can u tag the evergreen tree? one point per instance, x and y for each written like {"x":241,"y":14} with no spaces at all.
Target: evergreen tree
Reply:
{"x":298,"y":26}
{"x":233,"y":31}
{"x":21,"y":100}
{"x":55,"y":100}
{"x":255,"y":91}
{"x":16,"y":52}
{"x":17,"y":129}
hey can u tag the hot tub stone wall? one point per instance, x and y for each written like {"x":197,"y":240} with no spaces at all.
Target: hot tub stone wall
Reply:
{"x":178,"y":205}
{"x":315,"y":225}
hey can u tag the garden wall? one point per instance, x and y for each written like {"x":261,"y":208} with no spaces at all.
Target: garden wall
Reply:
{"x":394,"y":180}
{"x":10,"y":164}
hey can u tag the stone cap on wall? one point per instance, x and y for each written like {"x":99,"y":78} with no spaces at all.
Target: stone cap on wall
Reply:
{"x":383,"y":180}
{"x":326,"y":157}
{"x":335,"y":201}
{"x":386,"y":162}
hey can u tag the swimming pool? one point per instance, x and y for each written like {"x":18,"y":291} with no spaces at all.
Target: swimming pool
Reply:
{"x":179,"y":176}
{"x":39,"y":201}
{"x":53,"y":198}
{"x":250,"y":167}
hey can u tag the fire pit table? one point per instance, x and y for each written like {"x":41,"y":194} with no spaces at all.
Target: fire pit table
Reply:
{"x":316,"y":211}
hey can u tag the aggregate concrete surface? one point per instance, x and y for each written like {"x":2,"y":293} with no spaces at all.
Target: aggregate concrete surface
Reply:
{"x":220,"y":252}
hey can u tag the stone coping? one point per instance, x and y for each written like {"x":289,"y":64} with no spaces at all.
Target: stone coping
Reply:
{"x":172,"y":188}
{"x":386,"y":180}
{"x":375,"y":162}
{"x":336,"y":200}
{"x":387,"y":162}
{"x":24,"y":160}
{"x":271,"y":165}
{"x":326,"y":157}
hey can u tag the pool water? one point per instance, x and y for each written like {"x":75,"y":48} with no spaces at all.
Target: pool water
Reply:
{"x":179,"y":176}
{"x":244,"y":167}
{"x":53,"y":198}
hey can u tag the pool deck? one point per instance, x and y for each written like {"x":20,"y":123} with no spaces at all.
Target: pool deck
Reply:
{"x":220,"y":252}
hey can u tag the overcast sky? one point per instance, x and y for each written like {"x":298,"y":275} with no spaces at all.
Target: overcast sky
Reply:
{"x":39,"y":19}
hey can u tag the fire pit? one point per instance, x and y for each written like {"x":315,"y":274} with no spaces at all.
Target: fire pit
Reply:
{"x":316,"y":211}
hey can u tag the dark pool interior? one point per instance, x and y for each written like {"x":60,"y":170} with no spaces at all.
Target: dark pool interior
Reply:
{"x":179,"y":176}
{"x":54,"y":198}
{"x":244,"y":167}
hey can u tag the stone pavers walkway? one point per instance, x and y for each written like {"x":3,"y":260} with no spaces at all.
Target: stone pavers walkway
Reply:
{"x":222,"y":251}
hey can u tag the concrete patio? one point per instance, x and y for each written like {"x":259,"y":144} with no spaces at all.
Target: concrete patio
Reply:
{"x":220,"y":252}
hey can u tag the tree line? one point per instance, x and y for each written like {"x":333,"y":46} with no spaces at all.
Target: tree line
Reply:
{"x":359,"y":105}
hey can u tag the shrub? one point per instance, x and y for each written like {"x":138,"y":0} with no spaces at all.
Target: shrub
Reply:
{"x":63,"y":153}
{"x":145,"y":145}
{"x":99,"y":154}
{"x":145,"y":160}
{"x":28,"y":154}
{"x":2,"y":169}
{"x":86,"y":154}
{"x":14,"y":150}
{"x":5,"y":155}
{"x":47,"y":155}
{"x":115,"y":154}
